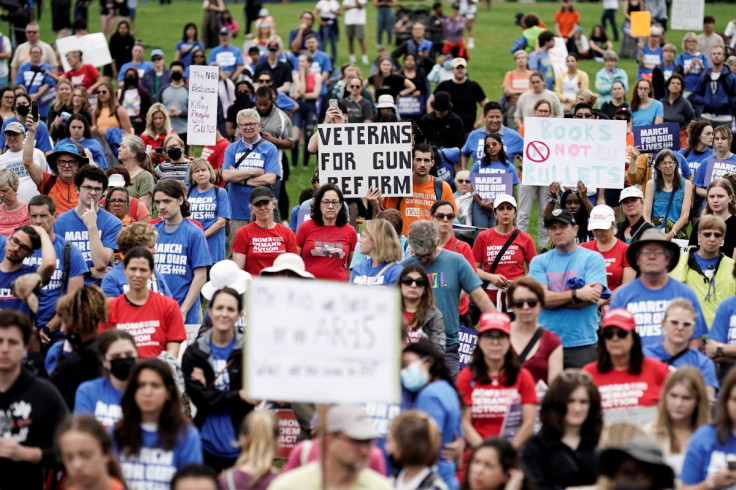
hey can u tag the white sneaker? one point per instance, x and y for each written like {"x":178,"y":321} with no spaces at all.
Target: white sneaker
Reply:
{"x":365,"y":60}
{"x":352,"y":58}
{"x":471,"y":43}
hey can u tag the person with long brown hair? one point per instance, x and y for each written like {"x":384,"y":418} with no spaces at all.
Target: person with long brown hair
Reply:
{"x":154,"y":437}
{"x":109,"y":113}
{"x":645,"y":109}
{"x":668,"y":200}
{"x":387,"y":81}
{"x":254,"y":469}
{"x":417,"y":303}
{"x":720,"y":201}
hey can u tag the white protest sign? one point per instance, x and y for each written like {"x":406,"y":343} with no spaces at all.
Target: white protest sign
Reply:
{"x":687,"y":15}
{"x":94,"y":48}
{"x":356,"y":157}
{"x":557,"y":55}
{"x":326,"y":342}
{"x":202,"y":121}
{"x":568,"y":150}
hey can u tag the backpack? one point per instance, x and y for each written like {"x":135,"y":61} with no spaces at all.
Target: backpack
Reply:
{"x":217,"y":197}
{"x":437,"y":192}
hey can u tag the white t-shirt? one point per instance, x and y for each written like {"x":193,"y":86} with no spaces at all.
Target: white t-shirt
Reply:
{"x":6,"y":47}
{"x":13,"y":160}
{"x":325,"y":8}
{"x":355,"y":16}
{"x":610,"y":4}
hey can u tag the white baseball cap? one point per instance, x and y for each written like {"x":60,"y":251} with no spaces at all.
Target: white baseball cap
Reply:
{"x":630,"y":192}
{"x":502,"y":198}
{"x":601,"y":218}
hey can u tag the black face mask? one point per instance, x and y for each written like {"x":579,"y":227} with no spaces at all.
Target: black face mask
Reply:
{"x":177,"y":76}
{"x":133,"y":80}
{"x":242,"y":97}
{"x":120,"y":368}
{"x":23,"y":110}
{"x":174,"y":153}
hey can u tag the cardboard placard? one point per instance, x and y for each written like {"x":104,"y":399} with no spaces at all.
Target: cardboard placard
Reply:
{"x":641,"y":23}
{"x":657,"y":137}
{"x":202,"y":120}
{"x":489,"y":185}
{"x":687,"y":15}
{"x":94,"y":48}
{"x":718,"y":168}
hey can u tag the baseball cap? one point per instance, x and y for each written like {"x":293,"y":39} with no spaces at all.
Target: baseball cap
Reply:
{"x":621,"y":318}
{"x":630,"y":192}
{"x":352,"y":421}
{"x":14,"y":127}
{"x":260,"y":194}
{"x":459,"y":62}
{"x":561,"y":215}
{"x":601,"y":218}
{"x":494,"y":320}
{"x":502,"y":198}
{"x":224,"y":30}
{"x":226,"y":273}
{"x":116,"y":180}
{"x":273,"y":46}
{"x":157,"y":53}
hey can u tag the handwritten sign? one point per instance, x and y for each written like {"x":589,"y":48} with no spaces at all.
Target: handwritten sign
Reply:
{"x":94,"y":48}
{"x":641,"y":23}
{"x":718,"y":168}
{"x":657,"y":137}
{"x":202,"y":120}
{"x":336,"y":343}
{"x":356,"y":157}
{"x":568,"y":150}
{"x":687,"y":15}
{"x":488,"y":186}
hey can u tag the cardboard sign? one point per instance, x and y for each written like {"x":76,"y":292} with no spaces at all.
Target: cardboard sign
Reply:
{"x":488,"y":185}
{"x":202,"y":121}
{"x":718,"y":168}
{"x":568,"y":150}
{"x":558,"y":54}
{"x":331,"y":342}
{"x":687,"y":15}
{"x":356,"y":157}
{"x":467,"y":338}
{"x":641,"y":23}
{"x":288,"y":432}
{"x":657,"y":137}
{"x":94,"y":48}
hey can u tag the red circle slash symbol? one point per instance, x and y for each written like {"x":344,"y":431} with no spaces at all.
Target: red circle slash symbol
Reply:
{"x":537,"y":151}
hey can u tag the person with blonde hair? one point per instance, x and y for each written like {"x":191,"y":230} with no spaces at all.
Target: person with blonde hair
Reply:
{"x":683,"y":407}
{"x":258,"y":439}
{"x":380,"y":243}
{"x":158,"y":127}
{"x":692,"y":62}
{"x":414,"y":443}
{"x":13,"y":210}
{"x":210,"y":206}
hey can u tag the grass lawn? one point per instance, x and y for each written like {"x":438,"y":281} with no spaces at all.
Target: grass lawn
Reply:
{"x":161,"y":26}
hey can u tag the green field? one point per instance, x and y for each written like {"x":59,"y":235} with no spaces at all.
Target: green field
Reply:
{"x":161,"y":26}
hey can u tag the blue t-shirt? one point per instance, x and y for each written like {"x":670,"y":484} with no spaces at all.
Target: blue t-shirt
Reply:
{"x":708,"y":266}
{"x":71,"y":227}
{"x":33,"y":81}
{"x":284,"y":102}
{"x":690,"y":358}
{"x":218,"y":435}
{"x":651,"y":57}
{"x":648,"y":307}
{"x":575,"y":327}
{"x":115,"y":283}
{"x":449,"y":274}
{"x":294,"y":32}
{"x":723,"y":328}
{"x":187,"y":49}
{"x":513,"y":144}
{"x":7,"y":300}
{"x":206,"y":207}
{"x":264,"y":156}
{"x":685,"y":60}
{"x":705,"y":456}
{"x":229,"y":58}
{"x":365,"y":274}
{"x":695,"y":160}
{"x":645,"y":117}
{"x":495,"y":168}
{"x":51,"y":291}
{"x":98,"y":397}
{"x":142,"y":68}
{"x":98,"y":155}
{"x":154,"y":467}
{"x":178,"y":254}
{"x":699,"y":179}
{"x":42,"y":139}
{"x":320,"y":63}
{"x":539,"y":60}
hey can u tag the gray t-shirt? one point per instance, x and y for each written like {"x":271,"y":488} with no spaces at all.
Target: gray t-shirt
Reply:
{"x":177,"y":97}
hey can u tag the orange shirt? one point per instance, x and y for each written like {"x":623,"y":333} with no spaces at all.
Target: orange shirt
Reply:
{"x":566,"y":21}
{"x":418,"y":205}
{"x":517,"y":81}
{"x":64,"y":195}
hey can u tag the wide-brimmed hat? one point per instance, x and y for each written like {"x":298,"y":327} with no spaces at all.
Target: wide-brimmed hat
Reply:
{"x":652,"y":235}
{"x":386,"y":101}
{"x":226,"y":273}
{"x":645,"y":451}
{"x":288,"y":262}
{"x":66,"y":149}
{"x":442,"y":101}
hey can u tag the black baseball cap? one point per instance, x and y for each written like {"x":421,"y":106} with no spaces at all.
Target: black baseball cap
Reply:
{"x":561,"y":215}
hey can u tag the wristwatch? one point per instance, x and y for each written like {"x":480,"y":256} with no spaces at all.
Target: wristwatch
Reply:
{"x":574,"y":295}
{"x":719,"y":350}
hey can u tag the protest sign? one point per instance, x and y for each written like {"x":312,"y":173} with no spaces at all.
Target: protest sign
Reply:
{"x":356,"y":157}
{"x":568,"y":150}
{"x":467,"y":338}
{"x":558,"y":54}
{"x":289,"y":430}
{"x":410,"y":106}
{"x":718,"y":168}
{"x":202,"y":121}
{"x":94,"y":48}
{"x":332,"y":343}
{"x":641,"y":23}
{"x":488,"y":186}
{"x":687,"y":15}
{"x":656,"y":137}
{"x":302,"y":216}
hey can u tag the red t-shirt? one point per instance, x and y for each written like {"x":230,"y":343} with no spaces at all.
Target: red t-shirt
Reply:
{"x":538,"y":364}
{"x":511,"y":266}
{"x":152,"y":143}
{"x":152,"y":325}
{"x":86,"y":76}
{"x":326,"y":249}
{"x":615,"y":261}
{"x":459,"y":246}
{"x":216,"y":155}
{"x":261,"y":246}
{"x":489,"y":404}
{"x":622,"y":390}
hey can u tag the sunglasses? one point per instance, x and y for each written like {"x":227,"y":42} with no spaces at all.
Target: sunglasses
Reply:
{"x":571,"y":375}
{"x":408,"y":281}
{"x":264,"y":80}
{"x":678,"y":323}
{"x":519,"y":303}
{"x":608,"y":334}
{"x":444,"y":217}
{"x":708,"y":234}
{"x":463,"y":181}
{"x":584,"y":115}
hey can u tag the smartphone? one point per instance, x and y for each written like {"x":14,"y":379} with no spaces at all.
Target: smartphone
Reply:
{"x":34,"y":110}
{"x":731,"y":463}
{"x":333,"y":103}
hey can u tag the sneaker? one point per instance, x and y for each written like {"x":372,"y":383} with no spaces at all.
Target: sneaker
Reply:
{"x":352,"y":58}
{"x":471,"y":43}
{"x":364,"y":59}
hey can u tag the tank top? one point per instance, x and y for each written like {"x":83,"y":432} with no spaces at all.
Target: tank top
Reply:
{"x":106,"y":120}
{"x":662,"y":199}
{"x":537,"y":364}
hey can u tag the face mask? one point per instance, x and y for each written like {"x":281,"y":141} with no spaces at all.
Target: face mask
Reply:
{"x":132,"y":80}
{"x":23,"y":110}
{"x":120,"y":368}
{"x":177,"y":76}
{"x":413,"y":377}
{"x":242,"y":97}
{"x":447,"y":65}
{"x":174,"y":153}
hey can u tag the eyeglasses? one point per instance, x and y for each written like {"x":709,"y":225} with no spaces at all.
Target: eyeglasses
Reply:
{"x":444,"y":217}
{"x":609,"y":333}
{"x":708,"y":234}
{"x":118,"y":201}
{"x":330,"y":204}
{"x":492,"y":145}
{"x":571,"y":375}
{"x":519,"y":303}
{"x":103,"y":92}
{"x":247,"y":125}
{"x":584,"y":115}
{"x":21,"y":245}
{"x":10,"y":134}
{"x":656,"y":252}
{"x":667,"y":163}
{"x":31,"y":32}
{"x":67,"y":163}
{"x":356,"y":86}
{"x":419,"y":281}
{"x":89,"y":188}
{"x":172,"y":147}
{"x":678,"y":323}
{"x":463,"y":181}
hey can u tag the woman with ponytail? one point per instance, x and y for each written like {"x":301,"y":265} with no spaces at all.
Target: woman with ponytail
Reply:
{"x":254,"y":467}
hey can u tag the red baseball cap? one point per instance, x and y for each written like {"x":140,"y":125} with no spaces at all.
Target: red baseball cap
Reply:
{"x":494,"y":320}
{"x":621,"y":318}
